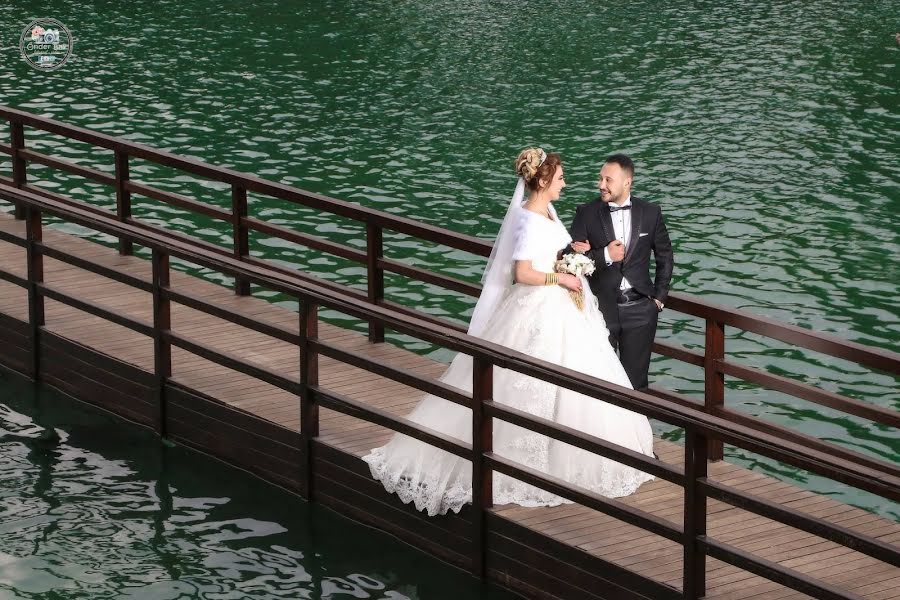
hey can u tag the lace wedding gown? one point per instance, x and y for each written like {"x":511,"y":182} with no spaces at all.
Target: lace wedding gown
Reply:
{"x":542,"y":322}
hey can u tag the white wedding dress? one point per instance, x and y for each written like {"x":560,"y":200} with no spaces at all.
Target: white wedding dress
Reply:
{"x":542,"y":322}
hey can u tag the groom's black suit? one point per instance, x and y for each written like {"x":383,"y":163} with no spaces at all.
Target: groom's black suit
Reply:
{"x":631,"y":318}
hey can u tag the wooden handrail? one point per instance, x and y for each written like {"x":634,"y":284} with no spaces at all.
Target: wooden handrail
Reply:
{"x":700,"y":427}
{"x":614,"y":508}
{"x":347,"y":406}
{"x":428,"y":385}
{"x":814,"y":525}
{"x":872,"y":357}
{"x":708,"y":425}
{"x":68,"y":166}
{"x":808,"y":441}
{"x":178,"y":200}
{"x":92,"y":308}
{"x":579,"y":439}
{"x":877,"y":358}
{"x":11,"y":238}
{"x":677,"y":352}
{"x":232,"y":362}
{"x":88,"y":265}
{"x":284,"y":334}
{"x":773,"y":571}
{"x":449,"y":283}
{"x":217,"y":310}
{"x":865,"y":410}
{"x":334,"y":288}
{"x":252,"y":183}
{"x":22,"y":282}
{"x":310,"y":241}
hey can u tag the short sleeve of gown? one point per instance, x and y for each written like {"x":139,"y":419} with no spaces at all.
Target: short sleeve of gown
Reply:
{"x":526,"y":247}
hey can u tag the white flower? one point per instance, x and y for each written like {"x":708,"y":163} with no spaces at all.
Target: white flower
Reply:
{"x":575,"y":264}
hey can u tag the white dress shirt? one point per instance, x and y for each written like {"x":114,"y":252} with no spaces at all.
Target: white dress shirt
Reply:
{"x":621,"y":220}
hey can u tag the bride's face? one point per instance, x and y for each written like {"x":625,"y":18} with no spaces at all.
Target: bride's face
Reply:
{"x":556,"y":185}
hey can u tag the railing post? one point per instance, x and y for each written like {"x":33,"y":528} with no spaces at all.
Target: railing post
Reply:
{"x":34,"y":236}
{"x":17,"y":143}
{"x":123,"y":199}
{"x":714,"y":378}
{"x":374,"y":253}
{"x":482,"y":476}
{"x":695,"y":469}
{"x":240,"y":234}
{"x":309,"y":408}
{"x":162,"y":323}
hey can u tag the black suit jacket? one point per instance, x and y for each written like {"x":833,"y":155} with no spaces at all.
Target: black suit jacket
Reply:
{"x":593,"y":222}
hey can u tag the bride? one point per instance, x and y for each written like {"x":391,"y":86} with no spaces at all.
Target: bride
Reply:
{"x":528,"y":308}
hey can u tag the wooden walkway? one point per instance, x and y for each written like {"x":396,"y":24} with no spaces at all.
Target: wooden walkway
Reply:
{"x":572,"y":526}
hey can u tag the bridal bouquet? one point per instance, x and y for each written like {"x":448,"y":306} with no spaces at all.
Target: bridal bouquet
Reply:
{"x":578,"y":265}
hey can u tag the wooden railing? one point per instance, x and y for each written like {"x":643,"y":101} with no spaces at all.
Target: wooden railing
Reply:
{"x":700,"y":428}
{"x":707,"y":425}
{"x":712,"y":359}
{"x":374,"y":222}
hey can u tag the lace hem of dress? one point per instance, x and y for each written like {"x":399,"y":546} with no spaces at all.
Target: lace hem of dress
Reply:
{"x":437,"y":498}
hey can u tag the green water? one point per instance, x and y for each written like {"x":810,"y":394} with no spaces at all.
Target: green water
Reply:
{"x":767,"y":131}
{"x":109,"y":512}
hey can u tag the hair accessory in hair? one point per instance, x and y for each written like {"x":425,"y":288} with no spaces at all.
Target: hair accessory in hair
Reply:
{"x":529,"y":161}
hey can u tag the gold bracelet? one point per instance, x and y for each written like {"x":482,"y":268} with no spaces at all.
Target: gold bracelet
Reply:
{"x":551,"y":278}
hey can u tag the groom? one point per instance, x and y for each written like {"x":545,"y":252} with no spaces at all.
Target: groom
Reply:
{"x":618,"y":232}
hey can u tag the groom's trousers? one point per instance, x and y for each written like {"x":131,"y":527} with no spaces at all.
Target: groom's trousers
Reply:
{"x":633,"y":335}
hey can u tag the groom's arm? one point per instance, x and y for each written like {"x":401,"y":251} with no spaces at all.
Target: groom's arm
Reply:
{"x":579,"y":233}
{"x":665,"y":259}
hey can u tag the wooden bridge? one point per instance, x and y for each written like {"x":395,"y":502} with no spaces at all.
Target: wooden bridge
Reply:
{"x":297,"y":401}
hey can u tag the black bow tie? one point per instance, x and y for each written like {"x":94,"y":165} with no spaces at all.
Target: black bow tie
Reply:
{"x":613,"y":208}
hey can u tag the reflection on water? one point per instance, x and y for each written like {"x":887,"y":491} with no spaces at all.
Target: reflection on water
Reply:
{"x":93,"y":508}
{"x":766,"y":130}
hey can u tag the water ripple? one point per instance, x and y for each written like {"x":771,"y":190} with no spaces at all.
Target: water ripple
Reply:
{"x":94,"y":508}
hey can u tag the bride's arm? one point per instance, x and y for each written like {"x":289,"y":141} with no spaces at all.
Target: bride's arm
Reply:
{"x":525,"y":273}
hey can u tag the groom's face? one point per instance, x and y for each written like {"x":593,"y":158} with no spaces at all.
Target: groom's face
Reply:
{"x":614,"y":184}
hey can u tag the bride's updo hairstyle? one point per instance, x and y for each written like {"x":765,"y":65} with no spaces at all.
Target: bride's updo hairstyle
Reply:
{"x":533,"y":164}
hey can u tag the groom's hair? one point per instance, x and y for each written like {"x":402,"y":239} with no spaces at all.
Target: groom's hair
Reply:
{"x":623,"y":161}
